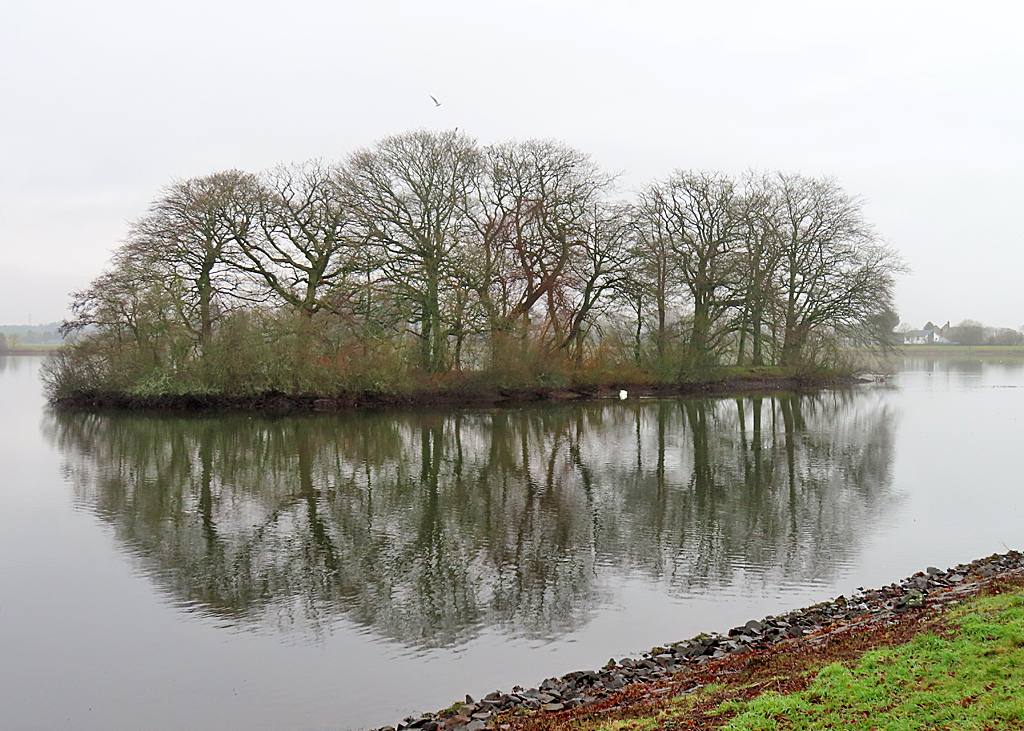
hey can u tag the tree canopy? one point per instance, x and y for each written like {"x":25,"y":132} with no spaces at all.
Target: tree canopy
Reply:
{"x":429,"y":253}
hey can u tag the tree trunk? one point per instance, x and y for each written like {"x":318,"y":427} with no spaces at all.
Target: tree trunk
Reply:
{"x":756,"y":353}
{"x":433,"y":334}
{"x":700,"y":330}
{"x":743,"y":338}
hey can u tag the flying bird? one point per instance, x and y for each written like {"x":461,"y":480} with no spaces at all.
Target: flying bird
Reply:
{"x":436,"y":102}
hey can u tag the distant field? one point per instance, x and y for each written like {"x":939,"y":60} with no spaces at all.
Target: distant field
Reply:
{"x":30,"y":349}
{"x":962,"y":350}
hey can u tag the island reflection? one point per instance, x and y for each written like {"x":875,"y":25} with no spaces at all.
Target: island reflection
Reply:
{"x":428,"y":528}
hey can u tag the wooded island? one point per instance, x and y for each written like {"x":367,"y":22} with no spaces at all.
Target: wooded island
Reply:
{"x":428,"y":261}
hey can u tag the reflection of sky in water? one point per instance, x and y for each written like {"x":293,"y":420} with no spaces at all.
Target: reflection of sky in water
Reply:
{"x":325,"y":572}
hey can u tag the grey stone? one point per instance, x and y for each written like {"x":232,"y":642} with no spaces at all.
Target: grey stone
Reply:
{"x":476,"y":725}
{"x":912,"y":600}
{"x":553,"y":706}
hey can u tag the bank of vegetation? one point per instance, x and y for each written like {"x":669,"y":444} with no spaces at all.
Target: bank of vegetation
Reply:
{"x":933,"y":668}
{"x":427,"y":262}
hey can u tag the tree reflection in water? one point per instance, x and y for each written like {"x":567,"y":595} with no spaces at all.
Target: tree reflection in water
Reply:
{"x":427,"y":528}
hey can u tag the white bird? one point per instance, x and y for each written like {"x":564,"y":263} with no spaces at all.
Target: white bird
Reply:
{"x":622,"y":395}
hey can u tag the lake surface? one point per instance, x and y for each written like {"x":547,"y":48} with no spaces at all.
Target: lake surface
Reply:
{"x":343,"y":571}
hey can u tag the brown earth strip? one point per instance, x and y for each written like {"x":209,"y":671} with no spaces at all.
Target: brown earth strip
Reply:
{"x":279,"y":403}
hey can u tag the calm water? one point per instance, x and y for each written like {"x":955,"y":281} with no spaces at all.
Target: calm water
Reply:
{"x":341,"y":572}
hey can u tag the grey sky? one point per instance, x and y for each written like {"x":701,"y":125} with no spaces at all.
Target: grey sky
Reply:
{"x":919,"y":107}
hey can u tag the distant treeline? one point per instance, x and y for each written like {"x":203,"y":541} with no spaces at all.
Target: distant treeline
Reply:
{"x":13,"y":336}
{"x":972,"y":332}
{"x":11,"y":342}
{"x":521,"y":263}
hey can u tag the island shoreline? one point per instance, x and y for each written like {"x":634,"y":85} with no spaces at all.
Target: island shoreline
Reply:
{"x":440,"y":398}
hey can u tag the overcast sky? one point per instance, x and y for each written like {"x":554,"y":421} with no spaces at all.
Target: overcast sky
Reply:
{"x":917,"y":107}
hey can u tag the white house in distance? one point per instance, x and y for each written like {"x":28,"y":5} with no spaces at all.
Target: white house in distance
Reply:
{"x":930,"y":335}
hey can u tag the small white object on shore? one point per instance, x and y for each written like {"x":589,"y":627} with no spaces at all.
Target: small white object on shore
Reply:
{"x":622,"y":395}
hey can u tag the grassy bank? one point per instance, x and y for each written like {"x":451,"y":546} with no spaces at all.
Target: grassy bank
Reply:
{"x":951,"y":665}
{"x":965,"y":672}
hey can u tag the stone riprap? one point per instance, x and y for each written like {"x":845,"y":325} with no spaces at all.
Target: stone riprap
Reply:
{"x":813,"y":625}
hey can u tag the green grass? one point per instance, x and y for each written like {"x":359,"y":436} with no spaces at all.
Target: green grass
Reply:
{"x":970,"y":678}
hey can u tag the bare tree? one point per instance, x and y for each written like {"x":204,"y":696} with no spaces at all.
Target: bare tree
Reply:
{"x":597,"y":270}
{"x":532,"y":213}
{"x":411,"y":195}
{"x":190,"y":233}
{"x":968,"y":332}
{"x":654,"y":266}
{"x":134,"y":305}
{"x":834,"y":274}
{"x":758,"y":260}
{"x":697,"y":214}
{"x":1005,"y":336}
{"x":306,"y":244}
